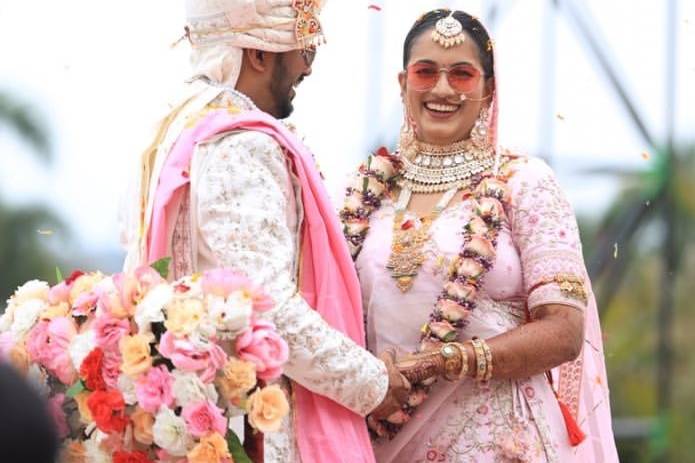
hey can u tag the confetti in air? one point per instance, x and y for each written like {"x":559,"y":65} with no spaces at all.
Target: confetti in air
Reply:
{"x":647,"y":203}
{"x":44,"y":232}
{"x":615,"y":250}
{"x":560,"y":116}
{"x":645,"y":155}
{"x":374,"y":7}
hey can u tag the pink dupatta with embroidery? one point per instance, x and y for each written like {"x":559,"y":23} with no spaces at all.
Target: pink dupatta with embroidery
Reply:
{"x":326,"y":431}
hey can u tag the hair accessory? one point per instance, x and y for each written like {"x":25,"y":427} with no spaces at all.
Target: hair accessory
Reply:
{"x":448,"y":32}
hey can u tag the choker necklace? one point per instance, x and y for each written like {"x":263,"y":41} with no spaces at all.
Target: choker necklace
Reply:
{"x":434,"y":169}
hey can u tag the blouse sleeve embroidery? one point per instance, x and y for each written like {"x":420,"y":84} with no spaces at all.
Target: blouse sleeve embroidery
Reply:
{"x":544,"y":230}
{"x":247,"y":220}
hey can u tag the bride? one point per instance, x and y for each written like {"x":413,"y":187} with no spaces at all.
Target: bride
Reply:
{"x":470,"y":258}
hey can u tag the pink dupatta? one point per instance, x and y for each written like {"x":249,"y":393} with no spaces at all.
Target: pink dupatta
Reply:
{"x":326,"y":431}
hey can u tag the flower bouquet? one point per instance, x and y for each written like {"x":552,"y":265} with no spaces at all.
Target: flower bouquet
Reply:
{"x":138,"y":369}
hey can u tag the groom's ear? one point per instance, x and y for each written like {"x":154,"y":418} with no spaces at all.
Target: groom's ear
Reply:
{"x":258,"y":60}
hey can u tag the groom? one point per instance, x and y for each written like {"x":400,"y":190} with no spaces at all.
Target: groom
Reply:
{"x":239,"y":190}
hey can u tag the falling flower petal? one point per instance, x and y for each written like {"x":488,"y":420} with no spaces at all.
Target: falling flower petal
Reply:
{"x":560,"y":116}
{"x":615,"y":250}
{"x":645,"y":155}
{"x":374,"y":7}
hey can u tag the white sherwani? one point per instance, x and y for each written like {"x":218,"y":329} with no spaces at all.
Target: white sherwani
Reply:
{"x":245,"y":212}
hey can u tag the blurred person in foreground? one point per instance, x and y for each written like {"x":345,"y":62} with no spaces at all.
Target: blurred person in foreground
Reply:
{"x":225,"y":183}
{"x":27,"y":432}
{"x":469,"y":258}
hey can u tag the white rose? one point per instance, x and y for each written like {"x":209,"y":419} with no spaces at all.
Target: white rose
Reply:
{"x":38,"y":380}
{"x":33,"y":289}
{"x":6,"y":319}
{"x":92,"y":448}
{"x":188,"y":388}
{"x":232,"y":314}
{"x":127,"y":387}
{"x":353,"y":201}
{"x":150,"y":309}
{"x":81,"y":346}
{"x":373,"y":185}
{"x":26,"y":316}
{"x":383,"y":166}
{"x":169,"y":433}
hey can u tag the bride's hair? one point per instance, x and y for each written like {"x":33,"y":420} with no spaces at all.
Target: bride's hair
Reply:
{"x":470,"y":24}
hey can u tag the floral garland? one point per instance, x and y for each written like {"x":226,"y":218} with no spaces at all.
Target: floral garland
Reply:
{"x":137,"y":369}
{"x":374,"y":181}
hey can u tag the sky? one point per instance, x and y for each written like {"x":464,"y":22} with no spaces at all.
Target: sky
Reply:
{"x":101,"y":73}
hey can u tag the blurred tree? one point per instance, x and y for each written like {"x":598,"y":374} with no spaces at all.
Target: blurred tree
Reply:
{"x":628,"y":266}
{"x":25,"y":251}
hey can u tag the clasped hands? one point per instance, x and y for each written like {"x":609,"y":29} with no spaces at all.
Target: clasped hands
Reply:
{"x":409,"y":377}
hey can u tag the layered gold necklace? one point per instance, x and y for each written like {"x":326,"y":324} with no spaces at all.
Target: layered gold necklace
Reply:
{"x":434,"y":169}
{"x":429,"y":169}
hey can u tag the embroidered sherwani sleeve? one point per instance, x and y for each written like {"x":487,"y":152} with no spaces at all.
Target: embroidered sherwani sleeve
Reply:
{"x":248,"y":219}
{"x":545,"y":231}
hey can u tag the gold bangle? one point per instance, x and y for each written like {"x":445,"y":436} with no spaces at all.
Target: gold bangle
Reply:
{"x":481,"y":363}
{"x":448,"y":352}
{"x":488,"y":360}
{"x":464,"y":360}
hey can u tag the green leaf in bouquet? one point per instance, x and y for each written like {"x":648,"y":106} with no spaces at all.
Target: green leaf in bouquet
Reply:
{"x":236,"y":449}
{"x":162,"y":266}
{"x":75,"y":388}
{"x":59,"y":275}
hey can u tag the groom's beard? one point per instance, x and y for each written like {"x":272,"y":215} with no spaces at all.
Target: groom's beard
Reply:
{"x":281,"y":89}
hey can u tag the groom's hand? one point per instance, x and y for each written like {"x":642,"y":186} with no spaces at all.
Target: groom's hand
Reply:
{"x":398,"y":392}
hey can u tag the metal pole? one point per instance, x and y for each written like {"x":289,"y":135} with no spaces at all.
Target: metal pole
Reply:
{"x":666,"y":306}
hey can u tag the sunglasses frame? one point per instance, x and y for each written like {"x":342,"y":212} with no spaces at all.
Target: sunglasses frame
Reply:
{"x":447,"y":69}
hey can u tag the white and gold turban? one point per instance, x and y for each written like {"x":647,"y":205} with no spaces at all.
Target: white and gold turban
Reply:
{"x":218,"y":30}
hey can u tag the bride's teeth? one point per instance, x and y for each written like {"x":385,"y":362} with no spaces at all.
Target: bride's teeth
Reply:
{"x":441,"y":107}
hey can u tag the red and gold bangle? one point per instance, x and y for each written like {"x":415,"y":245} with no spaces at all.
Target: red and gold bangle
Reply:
{"x":464,"y":360}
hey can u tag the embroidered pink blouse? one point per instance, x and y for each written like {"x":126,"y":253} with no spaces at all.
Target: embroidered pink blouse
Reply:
{"x":504,"y":420}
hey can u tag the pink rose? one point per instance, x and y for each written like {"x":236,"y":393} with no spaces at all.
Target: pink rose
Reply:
{"x":130,"y":289}
{"x":55,"y":409}
{"x":261,"y":345}
{"x":59,"y":293}
{"x":154,"y":389}
{"x":203,"y":358}
{"x":84,"y":303}
{"x":452,"y":311}
{"x":262,"y":302}
{"x":223,"y":282}
{"x":111,"y":368}
{"x":109,"y":330}
{"x":203,"y":418}
{"x":48,"y":343}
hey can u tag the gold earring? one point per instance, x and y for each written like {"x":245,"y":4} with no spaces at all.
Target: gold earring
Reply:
{"x":479,"y":133}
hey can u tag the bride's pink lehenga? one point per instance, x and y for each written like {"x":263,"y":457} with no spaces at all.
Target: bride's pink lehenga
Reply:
{"x":503,"y":420}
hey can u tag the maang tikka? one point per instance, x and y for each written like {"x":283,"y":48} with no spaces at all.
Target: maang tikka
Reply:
{"x":448,"y":32}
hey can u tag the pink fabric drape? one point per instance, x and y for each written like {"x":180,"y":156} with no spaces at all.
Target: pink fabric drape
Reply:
{"x":325,"y":430}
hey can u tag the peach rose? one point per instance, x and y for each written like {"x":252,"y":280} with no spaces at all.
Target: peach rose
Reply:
{"x":184,"y":317}
{"x":236,"y":378}
{"x":73,"y":452}
{"x":83,"y":284}
{"x":451,"y":310}
{"x":355,"y":227}
{"x":383,"y":166}
{"x":142,"y":426}
{"x":460,"y":291}
{"x":494,"y":188}
{"x":62,"y":309}
{"x":477,"y":226}
{"x":371,"y":183}
{"x":469,"y":268}
{"x":19,"y":358}
{"x":135,"y":351}
{"x":267,"y":407}
{"x":443,"y":330}
{"x":82,"y":408}
{"x":480,"y":246}
{"x":211,"y":449}
{"x":490,"y":210}
{"x":353,"y":201}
